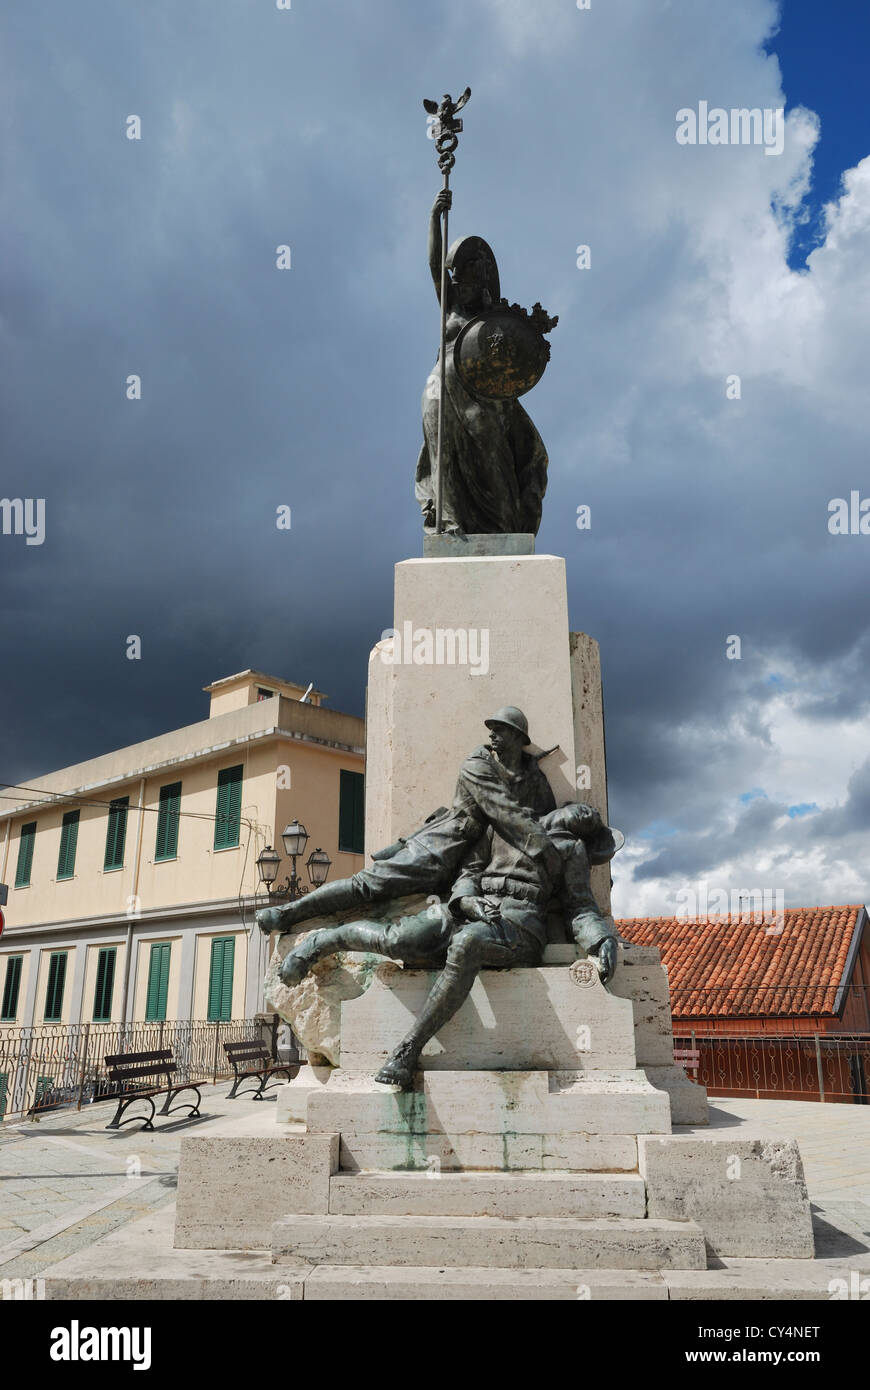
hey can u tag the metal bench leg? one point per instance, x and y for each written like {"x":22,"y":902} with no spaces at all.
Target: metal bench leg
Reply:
{"x":117,"y":1122}
{"x":231,"y":1094}
{"x":166,"y":1108}
{"x":276,"y":1071}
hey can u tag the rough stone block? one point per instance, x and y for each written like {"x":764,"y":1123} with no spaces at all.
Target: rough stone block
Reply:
{"x":747,"y":1195}
{"x":232,"y":1189}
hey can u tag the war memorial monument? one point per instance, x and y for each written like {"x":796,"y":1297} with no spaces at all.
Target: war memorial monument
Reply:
{"x":490,"y":1108}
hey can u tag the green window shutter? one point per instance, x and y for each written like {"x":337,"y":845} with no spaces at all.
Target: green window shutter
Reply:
{"x":158,"y":982}
{"x":54,"y":992}
{"x":116,"y":833}
{"x":167,"y":821}
{"x":66,"y":860}
{"x":44,"y":1084}
{"x":105,"y":985}
{"x":11,"y":986}
{"x":220,"y":983}
{"x":351,"y":811}
{"x":228,"y":817}
{"x":25,"y":854}
{"x":4,"y":1090}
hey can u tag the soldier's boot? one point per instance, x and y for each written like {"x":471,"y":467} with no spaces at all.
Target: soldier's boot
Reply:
{"x":448,"y":993}
{"x":350,"y":936}
{"x":330,"y":897}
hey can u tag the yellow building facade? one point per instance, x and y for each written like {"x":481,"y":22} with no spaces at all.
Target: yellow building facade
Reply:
{"x":132,"y":878}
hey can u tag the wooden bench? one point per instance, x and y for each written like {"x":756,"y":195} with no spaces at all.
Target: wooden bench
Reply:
{"x":135,"y":1074}
{"x":252,"y":1059}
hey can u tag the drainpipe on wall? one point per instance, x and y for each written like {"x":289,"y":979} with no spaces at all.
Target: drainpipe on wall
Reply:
{"x":5,"y":850}
{"x":128,"y":952}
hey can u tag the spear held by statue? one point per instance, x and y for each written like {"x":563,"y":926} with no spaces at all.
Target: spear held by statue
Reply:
{"x":445,"y":132}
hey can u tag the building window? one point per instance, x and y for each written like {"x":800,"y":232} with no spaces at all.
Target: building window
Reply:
{"x":220,"y":980}
{"x":11,"y":986}
{"x":351,"y":812}
{"x":167,"y":821}
{"x":229,"y":808}
{"x":105,"y":985}
{"x":116,"y":833}
{"x":54,"y":992}
{"x":263,"y":694}
{"x":25,"y":854}
{"x":158,"y":982}
{"x":66,"y":860}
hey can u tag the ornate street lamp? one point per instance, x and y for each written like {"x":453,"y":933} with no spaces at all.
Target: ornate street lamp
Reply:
{"x":318,"y":866}
{"x":295,"y":838}
{"x":268,"y":863}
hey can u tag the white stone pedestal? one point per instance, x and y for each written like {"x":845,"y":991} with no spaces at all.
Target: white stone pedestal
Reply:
{"x":497,"y":628}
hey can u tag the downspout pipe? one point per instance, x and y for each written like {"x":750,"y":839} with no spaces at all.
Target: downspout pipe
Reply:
{"x":132,"y":902}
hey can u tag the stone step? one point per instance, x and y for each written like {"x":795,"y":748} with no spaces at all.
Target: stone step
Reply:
{"x":505,"y":1152}
{"x":487,"y":1194}
{"x":487,"y":1241}
{"x":407,"y":1282}
{"x":473,"y":1102}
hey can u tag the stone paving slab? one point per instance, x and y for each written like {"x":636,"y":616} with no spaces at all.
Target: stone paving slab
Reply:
{"x":66,"y":1181}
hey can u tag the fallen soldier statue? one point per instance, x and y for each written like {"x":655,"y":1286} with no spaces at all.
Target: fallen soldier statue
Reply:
{"x":502,"y":858}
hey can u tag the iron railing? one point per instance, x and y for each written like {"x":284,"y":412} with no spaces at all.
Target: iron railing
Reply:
{"x":808,"y":1066}
{"x":62,"y":1065}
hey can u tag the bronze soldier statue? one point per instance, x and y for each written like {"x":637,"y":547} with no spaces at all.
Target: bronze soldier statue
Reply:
{"x":499,"y":785}
{"x":517,"y":857}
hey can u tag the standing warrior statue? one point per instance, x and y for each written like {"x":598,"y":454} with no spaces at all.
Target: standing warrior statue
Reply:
{"x":483,"y":465}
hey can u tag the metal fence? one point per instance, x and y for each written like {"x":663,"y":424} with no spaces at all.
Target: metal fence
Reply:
{"x":810,"y":1066}
{"x":57,"y":1065}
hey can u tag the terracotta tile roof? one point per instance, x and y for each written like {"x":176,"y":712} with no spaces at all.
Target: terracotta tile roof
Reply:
{"x":736,"y":966}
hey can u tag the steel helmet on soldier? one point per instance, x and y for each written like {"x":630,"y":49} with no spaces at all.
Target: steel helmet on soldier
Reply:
{"x":513,"y":717}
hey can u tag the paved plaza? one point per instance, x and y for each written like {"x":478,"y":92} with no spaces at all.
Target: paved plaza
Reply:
{"x":66,"y":1182}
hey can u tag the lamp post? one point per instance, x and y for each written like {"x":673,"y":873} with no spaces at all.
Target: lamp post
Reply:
{"x":295,"y":838}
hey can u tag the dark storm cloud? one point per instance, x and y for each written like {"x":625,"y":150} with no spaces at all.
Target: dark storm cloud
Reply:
{"x":263,"y":388}
{"x":694,"y":856}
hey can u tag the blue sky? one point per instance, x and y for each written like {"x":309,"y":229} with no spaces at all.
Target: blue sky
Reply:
{"x":263,"y":388}
{"x":823,"y":54}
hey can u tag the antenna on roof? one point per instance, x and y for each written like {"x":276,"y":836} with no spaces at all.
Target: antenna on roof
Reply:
{"x":307,"y":693}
